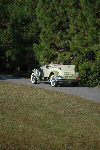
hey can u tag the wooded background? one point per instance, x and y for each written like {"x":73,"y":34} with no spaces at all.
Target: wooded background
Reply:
{"x":68,"y":31}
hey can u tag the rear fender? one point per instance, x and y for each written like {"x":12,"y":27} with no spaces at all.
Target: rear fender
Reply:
{"x":55,"y":73}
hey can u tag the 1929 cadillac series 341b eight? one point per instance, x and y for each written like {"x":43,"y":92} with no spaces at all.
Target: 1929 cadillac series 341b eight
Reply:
{"x":56,"y":73}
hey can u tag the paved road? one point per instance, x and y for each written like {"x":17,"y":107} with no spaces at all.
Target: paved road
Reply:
{"x":91,"y":93}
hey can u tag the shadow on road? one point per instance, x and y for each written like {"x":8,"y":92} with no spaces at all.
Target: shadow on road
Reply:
{"x":8,"y":77}
{"x":65,"y":84}
{"x":2,"y":78}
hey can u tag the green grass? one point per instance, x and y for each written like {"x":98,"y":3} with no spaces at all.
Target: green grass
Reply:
{"x":38,"y":119}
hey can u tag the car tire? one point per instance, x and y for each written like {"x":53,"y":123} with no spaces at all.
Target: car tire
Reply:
{"x":53,"y":81}
{"x":39,"y":74}
{"x":33,"y":79}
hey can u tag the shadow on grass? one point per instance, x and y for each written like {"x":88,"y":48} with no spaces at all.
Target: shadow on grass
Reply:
{"x":22,"y":75}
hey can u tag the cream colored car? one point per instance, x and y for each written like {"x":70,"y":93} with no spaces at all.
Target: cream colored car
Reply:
{"x":56,"y":73}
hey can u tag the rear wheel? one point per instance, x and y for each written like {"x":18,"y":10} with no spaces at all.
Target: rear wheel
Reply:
{"x":33,"y":79}
{"x":53,"y":81}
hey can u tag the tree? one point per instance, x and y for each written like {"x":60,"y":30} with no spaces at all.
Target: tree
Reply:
{"x":84,"y":29}
{"x":4,"y":34}
{"x":54,"y":23}
{"x":22,"y":32}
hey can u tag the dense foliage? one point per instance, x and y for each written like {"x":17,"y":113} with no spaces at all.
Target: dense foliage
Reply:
{"x":33,"y":31}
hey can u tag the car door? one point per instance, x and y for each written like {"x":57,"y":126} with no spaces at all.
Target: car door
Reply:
{"x":46,"y":71}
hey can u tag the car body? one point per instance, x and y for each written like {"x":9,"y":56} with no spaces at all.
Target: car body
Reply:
{"x":56,"y":73}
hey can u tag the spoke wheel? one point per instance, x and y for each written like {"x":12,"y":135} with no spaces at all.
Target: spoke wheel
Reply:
{"x":53,"y":81}
{"x":33,"y":79}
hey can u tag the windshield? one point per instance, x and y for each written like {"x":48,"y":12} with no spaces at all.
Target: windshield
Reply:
{"x":46,"y":63}
{"x":49,"y":62}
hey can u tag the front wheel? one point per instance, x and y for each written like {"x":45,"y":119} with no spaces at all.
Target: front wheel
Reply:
{"x":53,"y":81}
{"x":33,"y":78}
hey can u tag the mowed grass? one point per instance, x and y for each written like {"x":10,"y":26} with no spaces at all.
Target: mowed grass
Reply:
{"x":38,"y":119}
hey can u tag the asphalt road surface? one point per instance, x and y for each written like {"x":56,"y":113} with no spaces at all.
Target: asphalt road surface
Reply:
{"x":91,"y":93}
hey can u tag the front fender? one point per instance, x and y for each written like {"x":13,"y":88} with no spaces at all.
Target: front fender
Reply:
{"x":34,"y":71}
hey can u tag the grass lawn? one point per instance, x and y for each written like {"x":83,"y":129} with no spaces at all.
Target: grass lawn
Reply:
{"x":38,"y":119}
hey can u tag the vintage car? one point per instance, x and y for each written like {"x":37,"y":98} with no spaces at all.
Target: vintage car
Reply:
{"x":56,"y":73}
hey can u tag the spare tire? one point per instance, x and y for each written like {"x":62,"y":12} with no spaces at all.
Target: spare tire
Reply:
{"x":39,"y":73}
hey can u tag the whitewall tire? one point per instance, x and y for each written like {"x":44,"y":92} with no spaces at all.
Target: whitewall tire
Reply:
{"x":33,"y":78}
{"x":53,"y":81}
